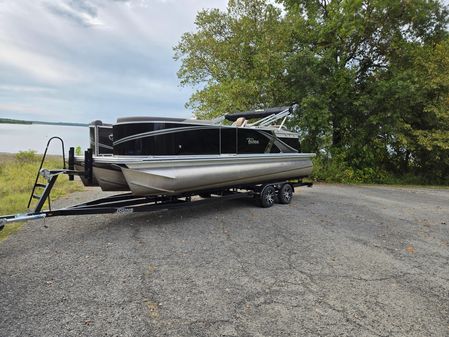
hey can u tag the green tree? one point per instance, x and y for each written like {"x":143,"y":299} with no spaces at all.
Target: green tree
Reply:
{"x":236,"y":58}
{"x":371,"y":78}
{"x":341,"y":47}
{"x":423,"y":131}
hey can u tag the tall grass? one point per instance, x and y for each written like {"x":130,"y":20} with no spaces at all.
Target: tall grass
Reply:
{"x":17,"y":176}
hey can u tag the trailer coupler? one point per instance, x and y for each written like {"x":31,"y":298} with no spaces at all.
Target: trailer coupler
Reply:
{"x":20,"y":217}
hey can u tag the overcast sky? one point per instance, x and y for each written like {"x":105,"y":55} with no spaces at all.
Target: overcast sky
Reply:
{"x":80,"y":60}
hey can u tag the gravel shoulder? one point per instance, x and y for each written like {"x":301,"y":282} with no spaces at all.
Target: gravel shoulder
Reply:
{"x":339,"y":261}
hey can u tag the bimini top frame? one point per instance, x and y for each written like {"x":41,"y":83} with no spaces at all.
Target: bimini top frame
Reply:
{"x":266,"y":117}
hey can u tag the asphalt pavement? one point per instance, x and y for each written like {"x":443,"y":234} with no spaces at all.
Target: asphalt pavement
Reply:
{"x":338,"y":261}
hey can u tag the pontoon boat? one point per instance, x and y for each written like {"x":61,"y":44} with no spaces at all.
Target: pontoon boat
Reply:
{"x":169,"y":156}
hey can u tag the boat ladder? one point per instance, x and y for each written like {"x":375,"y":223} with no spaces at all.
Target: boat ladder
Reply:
{"x":50,"y":180}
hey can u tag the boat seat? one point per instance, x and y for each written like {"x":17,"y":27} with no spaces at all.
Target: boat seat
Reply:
{"x":240,"y":122}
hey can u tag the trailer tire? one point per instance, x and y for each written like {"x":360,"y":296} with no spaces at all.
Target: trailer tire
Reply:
{"x":267,"y":196}
{"x":285,"y":194}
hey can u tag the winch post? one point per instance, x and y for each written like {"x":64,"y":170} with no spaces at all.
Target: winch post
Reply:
{"x":88,"y":163}
{"x":71,"y":162}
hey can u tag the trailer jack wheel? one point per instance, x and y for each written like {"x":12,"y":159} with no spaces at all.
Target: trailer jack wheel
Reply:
{"x":285,"y":194}
{"x":267,"y":196}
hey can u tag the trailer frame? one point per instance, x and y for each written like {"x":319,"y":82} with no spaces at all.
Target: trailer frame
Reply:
{"x":125,"y":203}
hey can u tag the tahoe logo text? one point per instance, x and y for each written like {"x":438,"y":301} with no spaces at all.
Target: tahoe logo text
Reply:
{"x":252,"y":141}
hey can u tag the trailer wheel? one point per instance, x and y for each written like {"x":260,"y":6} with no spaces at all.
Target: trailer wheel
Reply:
{"x":267,"y":196}
{"x":285,"y":194}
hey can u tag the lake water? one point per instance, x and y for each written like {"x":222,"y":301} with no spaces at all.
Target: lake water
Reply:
{"x":20,"y":137}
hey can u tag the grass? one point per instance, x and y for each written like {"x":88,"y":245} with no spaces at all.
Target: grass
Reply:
{"x":17,"y":175}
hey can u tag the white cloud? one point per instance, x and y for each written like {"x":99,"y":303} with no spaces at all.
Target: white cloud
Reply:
{"x":25,"y":89}
{"x":16,"y":108}
{"x":40,"y":67}
{"x":93,"y":59}
{"x":24,"y":109}
{"x":81,"y":12}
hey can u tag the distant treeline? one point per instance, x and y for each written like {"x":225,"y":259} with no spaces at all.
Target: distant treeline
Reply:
{"x":13,"y":121}
{"x":371,"y":79}
{"x":18,"y":121}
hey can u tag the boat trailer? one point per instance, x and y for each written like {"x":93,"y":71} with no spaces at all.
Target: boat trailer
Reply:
{"x":127,"y":203}
{"x":267,"y":193}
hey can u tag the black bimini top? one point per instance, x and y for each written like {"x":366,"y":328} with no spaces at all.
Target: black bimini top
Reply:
{"x":260,"y":113}
{"x":148,"y":119}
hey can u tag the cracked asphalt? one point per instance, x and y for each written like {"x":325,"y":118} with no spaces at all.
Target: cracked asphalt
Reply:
{"x":339,"y":261}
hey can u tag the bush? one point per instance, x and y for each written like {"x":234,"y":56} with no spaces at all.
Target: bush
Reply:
{"x":78,"y":151}
{"x":336,"y":170}
{"x":27,"y":156}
